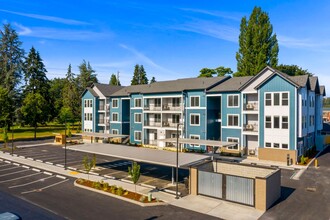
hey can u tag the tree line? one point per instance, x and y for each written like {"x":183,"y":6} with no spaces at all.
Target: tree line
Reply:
{"x":258,"y":48}
{"x":28,"y":97}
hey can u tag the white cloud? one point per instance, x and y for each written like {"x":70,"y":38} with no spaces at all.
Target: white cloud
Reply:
{"x":221,"y":14}
{"x":212,"y":29}
{"x":60,"y":34}
{"x":48,"y":18}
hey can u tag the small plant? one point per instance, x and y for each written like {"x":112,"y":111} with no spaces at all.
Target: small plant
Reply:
{"x":134,"y":172}
{"x":120,"y":191}
{"x":142,"y":198}
{"x":105,"y":186}
{"x":125,"y":193}
{"x":113,"y":189}
{"x":96,"y":185}
{"x":302,"y":159}
{"x":88,"y":164}
{"x":80,"y":181}
{"x":94,"y":160}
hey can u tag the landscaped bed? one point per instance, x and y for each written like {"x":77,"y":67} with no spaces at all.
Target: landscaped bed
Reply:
{"x":118,"y":192}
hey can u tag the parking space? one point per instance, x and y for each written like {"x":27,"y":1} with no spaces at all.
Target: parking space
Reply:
{"x":21,"y":179}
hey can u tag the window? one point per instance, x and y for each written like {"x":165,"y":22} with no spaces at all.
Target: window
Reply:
{"x":195,"y":137}
{"x":176,"y":102}
{"x":276,"y":122}
{"x":268,"y":122}
{"x":276,"y":99}
{"x":194,"y":119}
{"x":268,"y":99}
{"x":232,"y":120}
{"x":115,"y":131}
{"x":175,"y":118}
{"x":85,"y":103}
{"x":157,"y":117}
{"x":115,"y":103}
{"x":285,"y":99}
{"x":285,"y":122}
{"x":276,"y":145}
{"x":114,"y":116}
{"x":137,"y":117}
{"x":137,"y":135}
{"x":267,"y":144}
{"x":232,"y":147}
{"x":285,"y":146}
{"x":157,"y":102}
{"x":194,"y":101}
{"x":88,"y":117}
{"x":137,"y":103}
{"x":232,"y":100}
{"x":88,"y":103}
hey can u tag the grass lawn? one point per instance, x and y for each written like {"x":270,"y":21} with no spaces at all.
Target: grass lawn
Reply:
{"x":42,"y":131}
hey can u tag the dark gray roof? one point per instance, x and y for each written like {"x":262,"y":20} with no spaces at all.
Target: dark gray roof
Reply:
{"x":301,"y":80}
{"x":233,"y":84}
{"x":130,"y":89}
{"x":178,"y":85}
{"x":313,"y":80}
{"x":92,"y":91}
{"x":322,"y":90}
{"x":107,"y":89}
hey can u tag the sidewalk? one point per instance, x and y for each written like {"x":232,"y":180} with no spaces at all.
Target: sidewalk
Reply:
{"x":201,"y":204}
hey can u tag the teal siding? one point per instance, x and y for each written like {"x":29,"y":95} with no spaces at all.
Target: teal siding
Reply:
{"x":88,"y":95}
{"x":233,"y":133}
{"x":278,"y":84}
{"x":225,"y":111}
{"x":116,"y":110}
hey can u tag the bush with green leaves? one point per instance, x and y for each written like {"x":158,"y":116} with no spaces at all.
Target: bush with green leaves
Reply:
{"x":134,"y":172}
{"x":120,"y":191}
{"x":88,"y":164}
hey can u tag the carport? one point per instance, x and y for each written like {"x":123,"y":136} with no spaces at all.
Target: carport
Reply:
{"x":94,"y":135}
{"x":139,"y":154}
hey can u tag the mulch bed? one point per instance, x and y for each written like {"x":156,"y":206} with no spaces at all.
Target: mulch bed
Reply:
{"x":114,"y":190}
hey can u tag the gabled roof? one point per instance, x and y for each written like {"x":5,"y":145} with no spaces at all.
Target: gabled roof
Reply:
{"x":178,"y":85}
{"x":314,"y":83}
{"x":107,"y":89}
{"x":301,"y":80}
{"x":232,"y":84}
{"x":322,"y":91}
{"x":91,"y":91}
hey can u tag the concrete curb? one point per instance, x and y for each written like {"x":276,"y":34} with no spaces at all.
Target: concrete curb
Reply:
{"x":119,"y":197}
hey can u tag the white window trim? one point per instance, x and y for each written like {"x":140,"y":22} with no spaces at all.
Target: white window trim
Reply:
{"x":194,"y":135}
{"x":138,"y":122}
{"x":140,"y":135}
{"x":238,"y":101}
{"x":279,"y":98}
{"x":232,"y":126}
{"x":87,"y":101}
{"x":271,"y":98}
{"x":199,"y":121}
{"x":271,"y":122}
{"x":199,"y":101}
{"x":234,"y":138}
{"x":279,"y":121}
{"x":114,"y":130}
{"x":271,"y":145}
{"x":117,"y":103}
{"x":135,"y":103}
{"x":114,"y":113}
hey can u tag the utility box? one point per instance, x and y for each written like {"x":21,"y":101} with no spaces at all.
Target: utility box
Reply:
{"x":60,"y":139}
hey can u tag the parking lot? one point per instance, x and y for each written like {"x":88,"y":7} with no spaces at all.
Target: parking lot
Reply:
{"x":110,"y":167}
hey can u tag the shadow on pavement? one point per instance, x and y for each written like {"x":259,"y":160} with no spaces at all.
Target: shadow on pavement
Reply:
{"x":285,"y":193}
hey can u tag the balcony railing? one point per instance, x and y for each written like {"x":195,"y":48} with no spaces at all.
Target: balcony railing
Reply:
{"x":152,"y":124}
{"x":101,"y":121}
{"x":150,"y":142}
{"x":252,"y":127}
{"x":101,"y":107}
{"x":251,"y":106}
{"x":169,"y":124}
{"x":167,"y":107}
{"x":152,"y":108}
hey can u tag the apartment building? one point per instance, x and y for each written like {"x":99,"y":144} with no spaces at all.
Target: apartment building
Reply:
{"x":270,"y":115}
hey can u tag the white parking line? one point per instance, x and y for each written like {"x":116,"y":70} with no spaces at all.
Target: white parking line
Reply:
{"x":26,"y":184}
{"x":16,"y":164}
{"x":46,"y":187}
{"x":7,"y":174}
{"x":9,"y":168}
{"x":4,"y":181}
{"x":37,"y":170}
{"x":6,"y":161}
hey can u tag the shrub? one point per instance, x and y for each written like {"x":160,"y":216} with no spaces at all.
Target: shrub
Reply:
{"x":113,"y":189}
{"x":96,"y":185}
{"x":105,"y":186}
{"x":120,"y":191}
{"x":302,"y":159}
{"x":142,"y":198}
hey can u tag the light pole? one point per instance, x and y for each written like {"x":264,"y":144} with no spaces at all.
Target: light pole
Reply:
{"x":177,"y":161}
{"x":12,"y":136}
{"x":65,"y":144}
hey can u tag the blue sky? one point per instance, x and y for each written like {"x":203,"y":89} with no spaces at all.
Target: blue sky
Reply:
{"x":172,"y":39}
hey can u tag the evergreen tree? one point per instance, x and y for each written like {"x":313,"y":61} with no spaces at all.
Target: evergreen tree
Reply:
{"x":114,"y":81}
{"x":36,"y":90}
{"x":11,"y":64}
{"x":5,"y":107}
{"x":86,"y":77}
{"x":293,"y":70}
{"x":56,"y":86}
{"x":139,"y":75}
{"x":153,"y":79}
{"x":71,"y":96}
{"x":206,"y":72}
{"x":258,"y":45}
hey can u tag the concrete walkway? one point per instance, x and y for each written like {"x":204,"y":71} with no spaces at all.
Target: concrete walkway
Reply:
{"x":205,"y":205}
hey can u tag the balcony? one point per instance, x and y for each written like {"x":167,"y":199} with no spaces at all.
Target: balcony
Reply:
{"x":152,"y":108}
{"x":101,"y":107}
{"x":169,"y":124}
{"x":101,"y":121}
{"x":152,"y":124}
{"x":167,"y":107}
{"x":251,"y":127}
{"x":252,"y":106}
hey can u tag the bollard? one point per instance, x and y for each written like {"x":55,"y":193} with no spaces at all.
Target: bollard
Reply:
{"x":149,"y":197}
{"x":316,"y":163}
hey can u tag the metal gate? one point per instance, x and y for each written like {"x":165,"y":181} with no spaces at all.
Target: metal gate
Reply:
{"x":226,"y":187}
{"x":210,"y":184}
{"x":240,"y":189}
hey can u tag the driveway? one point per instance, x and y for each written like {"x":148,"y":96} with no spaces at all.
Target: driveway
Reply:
{"x":307,"y":198}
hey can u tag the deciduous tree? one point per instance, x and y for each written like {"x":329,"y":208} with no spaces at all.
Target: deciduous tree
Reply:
{"x":258,"y":46}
